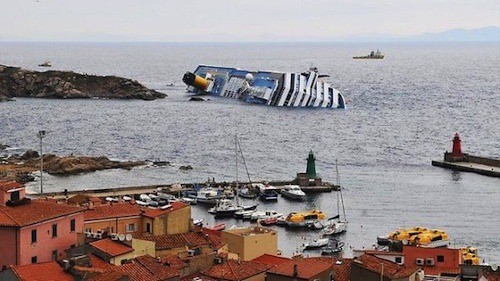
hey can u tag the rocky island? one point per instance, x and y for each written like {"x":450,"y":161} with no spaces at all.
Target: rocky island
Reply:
{"x":18,"y":82}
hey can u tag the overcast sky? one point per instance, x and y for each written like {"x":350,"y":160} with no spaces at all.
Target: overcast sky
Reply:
{"x":235,"y":20}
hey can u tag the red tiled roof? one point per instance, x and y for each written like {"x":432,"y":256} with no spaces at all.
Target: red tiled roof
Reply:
{"x":383,"y":253}
{"x":8,"y":185}
{"x":234,"y":270}
{"x":111,"y":247}
{"x":391,"y":269}
{"x":306,"y":267}
{"x":173,"y":261}
{"x":214,"y":237}
{"x":492,"y":275}
{"x":271,"y":260}
{"x":41,"y":272}
{"x":342,"y":269}
{"x":171,"y":241}
{"x":143,"y":268}
{"x":106,"y":211}
{"x":198,"y":277}
{"x":435,"y":270}
{"x":99,"y":263}
{"x":34,"y":212}
{"x":156,"y":212}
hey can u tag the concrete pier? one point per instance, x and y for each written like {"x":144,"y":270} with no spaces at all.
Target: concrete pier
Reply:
{"x":482,"y":169}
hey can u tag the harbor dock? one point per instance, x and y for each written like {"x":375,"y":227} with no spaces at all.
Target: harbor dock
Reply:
{"x":457,"y":160}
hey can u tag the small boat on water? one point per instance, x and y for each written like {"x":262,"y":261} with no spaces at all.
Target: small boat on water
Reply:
{"x":420,"y":236}
{"x":335,"y":224}
{"x":335,"y":227}
{"x":268,"y":193}
{"x":45,"y":64}
{"x":243,"y":214}
{"x":373,"y":55}
{"x":218,"y":227}
{"x":227,"y":207}
{"x":248,"y":193}
{"x":334,"y":247}
{"x":303,"y":219}
{"x":189,"y":201}
{"x":269,"y":221}
{"x":262,"y":215}
{"x":206,"y":195}
{"x":316,"y":243}
{"x":293,"y":192}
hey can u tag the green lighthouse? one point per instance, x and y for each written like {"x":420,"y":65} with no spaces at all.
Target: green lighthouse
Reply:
{"x":311,"y":166}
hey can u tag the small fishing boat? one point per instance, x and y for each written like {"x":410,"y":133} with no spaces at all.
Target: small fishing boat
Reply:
{"x":334,"y":247}
{"x":269,"y":221}
{"x":304,"y":219}
{"x":243,"y":214}
{"x":262,"y":215}
{"x":316,"y":243}
{"x":269,"y":194}
{"x":293,"y":192}
{"x":218,"y":227}
{"x":45,"y":64}
{"x":227,"y":207}
{"x":248,"y":193}
{"x":335,"y":227}
{"x":207,"y":195}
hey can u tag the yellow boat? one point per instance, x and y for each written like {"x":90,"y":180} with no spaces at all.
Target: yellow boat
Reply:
{"x":469,"y":255}
{"x":312,"y":215}
{"x":420,"y":236}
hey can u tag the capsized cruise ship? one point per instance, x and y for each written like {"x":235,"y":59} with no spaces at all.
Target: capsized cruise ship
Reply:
{"x":305,"y":89}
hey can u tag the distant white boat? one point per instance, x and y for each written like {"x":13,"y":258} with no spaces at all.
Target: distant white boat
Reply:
{"x":316,"y":243}
{"x":268,"y":214}
{"x":45,"y":64}
{"x":293,"y":192}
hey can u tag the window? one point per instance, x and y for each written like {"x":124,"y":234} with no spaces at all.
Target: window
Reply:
{"x":88,"y":229}
{"x":54,"y":255}
{"x":131,"y":227}
{"x":33,"y":236}
{"x":54,"y":230}
{"x":148,"y":227}
{"x":14,"y":196}
{"x":331,"y":276}
{"x":398,"y":260}
{"x":72,"y":225}
{"x":440,"y":258}
{"x":34,"y":259}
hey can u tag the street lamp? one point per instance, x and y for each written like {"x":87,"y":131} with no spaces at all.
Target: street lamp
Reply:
{"x":40,"y":135}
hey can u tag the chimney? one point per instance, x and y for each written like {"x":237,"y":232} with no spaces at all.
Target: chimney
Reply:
{"x":295,"y":270}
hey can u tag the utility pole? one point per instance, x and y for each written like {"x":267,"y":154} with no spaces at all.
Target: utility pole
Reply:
{"x":40,"y":135}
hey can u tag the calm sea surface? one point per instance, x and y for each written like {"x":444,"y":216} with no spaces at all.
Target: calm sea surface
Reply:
{"x":403,"y":112}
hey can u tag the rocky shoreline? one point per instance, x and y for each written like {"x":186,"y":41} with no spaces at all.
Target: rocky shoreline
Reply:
{"x":18,"y":82}
{"x":20,"y":167}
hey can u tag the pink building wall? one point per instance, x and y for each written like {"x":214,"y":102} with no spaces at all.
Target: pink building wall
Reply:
{"x":45,"y":242}
{"x":7,"y":246}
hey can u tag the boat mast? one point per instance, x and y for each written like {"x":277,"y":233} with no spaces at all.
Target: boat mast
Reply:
{"x":340,"y":190}
{"x":236,"y":160}
{"x":244,"y":162}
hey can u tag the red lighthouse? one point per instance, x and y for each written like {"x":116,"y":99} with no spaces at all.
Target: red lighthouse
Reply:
{"x":457,"y":147}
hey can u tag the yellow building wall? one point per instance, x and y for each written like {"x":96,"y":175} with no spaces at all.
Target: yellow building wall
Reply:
{"x":118,"y":259}
{"x":169,"y":252}
{"x":143,"y":247}
{"x":178,"y":221}
{"x":248,"y":247}
{"x":119,"y":225}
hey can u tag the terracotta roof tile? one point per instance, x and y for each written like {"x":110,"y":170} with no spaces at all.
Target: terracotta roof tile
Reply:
{"x":391,"y":269}
{"x":111,"y":211}
{"x":41,"y":272}
{"x":156,"y":212}
{"x":111,"y":247}
{"x":143,"y":268}
{"x":173,"y":261}
{"x":342,"y":269}
{"x":214,"y":237}
{"x":171,"y":241}
{"x":99,"y":263}
{"x":198,"y":276}
{"x":435,"y":271}
{"x":234,"y":270}
{"x":8,"y":185}
{"x":34,"y":212}
{"x":306,"y":267}
{"x":271,"y":260}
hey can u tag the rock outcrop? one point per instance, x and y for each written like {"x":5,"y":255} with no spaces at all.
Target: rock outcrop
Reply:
{"x":17,"y":82}
{"x":72,"y":165}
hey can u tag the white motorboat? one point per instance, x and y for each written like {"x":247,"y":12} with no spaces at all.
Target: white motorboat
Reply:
{"x":316,"y":243}
{"x":189,"y":201}
{"x":126,"y":198}
{"x":267,"y":214}
{"x":207,"y":195}
{"x":333,"y":248}
{"x":334,"y":227}
{"x":144,"y":197}
{"x":141,"y":203}
{"x":293,"y":192}
{"x":227,"y":207}
{"x":243,"y":214}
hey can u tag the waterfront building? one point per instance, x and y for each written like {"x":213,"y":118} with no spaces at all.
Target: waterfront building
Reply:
{"x":35,"y":231}
{"x":250,"y":242}
{"x":40,"y":271}
{"x":129,"y":218}
{"x":371,"y":268}
{"x":440,"y":261}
